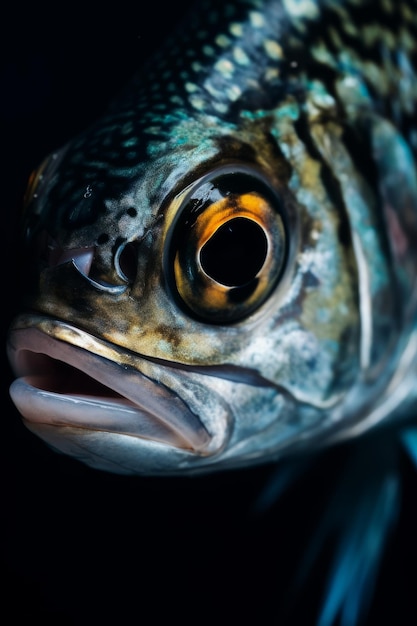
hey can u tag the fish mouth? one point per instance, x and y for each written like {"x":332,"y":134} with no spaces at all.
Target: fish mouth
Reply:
{"x":63,"y":384}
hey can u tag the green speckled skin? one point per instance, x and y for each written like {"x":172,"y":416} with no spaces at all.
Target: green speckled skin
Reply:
{"x":317,"y":100}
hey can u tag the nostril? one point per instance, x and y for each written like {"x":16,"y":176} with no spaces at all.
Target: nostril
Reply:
{"x":126,"y":261}
{"x":52,"y":254}
{"x":81,"y":257}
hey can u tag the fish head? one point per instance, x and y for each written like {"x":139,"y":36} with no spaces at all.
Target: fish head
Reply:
{"x":210,"y":286}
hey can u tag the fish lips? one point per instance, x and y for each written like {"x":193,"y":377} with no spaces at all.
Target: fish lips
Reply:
{"x":59,"y":384}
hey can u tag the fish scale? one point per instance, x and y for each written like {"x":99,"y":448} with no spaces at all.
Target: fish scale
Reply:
{"x":229,"y":251}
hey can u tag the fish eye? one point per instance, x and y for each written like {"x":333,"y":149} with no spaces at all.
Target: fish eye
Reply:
{"x":228,"y":247}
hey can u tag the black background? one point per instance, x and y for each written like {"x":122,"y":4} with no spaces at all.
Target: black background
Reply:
{"x":81,"y":546}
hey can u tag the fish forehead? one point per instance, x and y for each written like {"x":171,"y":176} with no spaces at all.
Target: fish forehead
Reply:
{"x":240,"y":58}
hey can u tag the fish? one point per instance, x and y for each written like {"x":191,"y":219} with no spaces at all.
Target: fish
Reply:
{"x":220,"y":272}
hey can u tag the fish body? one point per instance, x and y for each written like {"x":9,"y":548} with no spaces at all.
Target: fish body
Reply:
{"x":221,"y":271}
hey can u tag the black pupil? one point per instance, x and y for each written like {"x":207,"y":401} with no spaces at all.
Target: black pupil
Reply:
{"x":235,"y":253}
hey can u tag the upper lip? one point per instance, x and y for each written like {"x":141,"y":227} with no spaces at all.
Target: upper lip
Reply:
{"x":62,"y":384}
